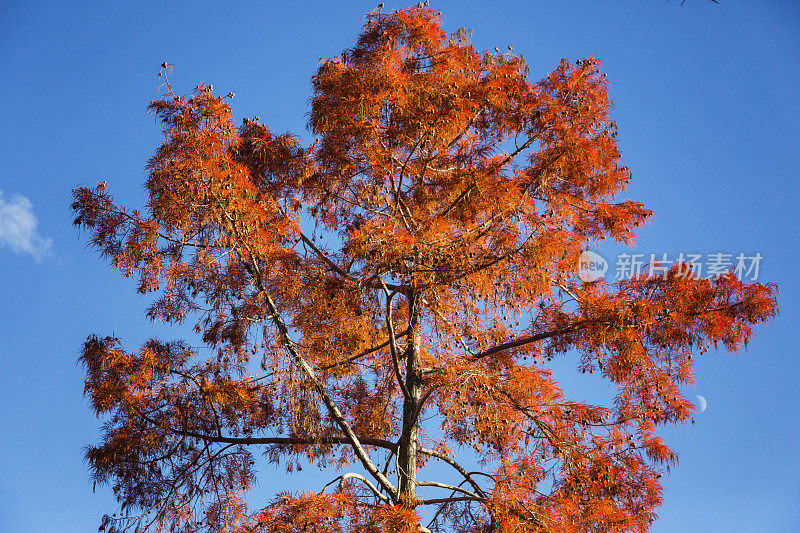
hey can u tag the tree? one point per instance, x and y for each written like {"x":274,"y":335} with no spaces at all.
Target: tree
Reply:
{"x":452,"y":198}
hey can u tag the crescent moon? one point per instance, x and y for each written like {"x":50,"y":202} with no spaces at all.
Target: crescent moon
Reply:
{"x":701,"y":403}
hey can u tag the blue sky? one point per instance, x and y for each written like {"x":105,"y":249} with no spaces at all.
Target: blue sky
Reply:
{"x":707,"y":104}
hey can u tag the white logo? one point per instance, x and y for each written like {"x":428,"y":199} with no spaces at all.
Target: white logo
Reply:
{"x":591,"y":266}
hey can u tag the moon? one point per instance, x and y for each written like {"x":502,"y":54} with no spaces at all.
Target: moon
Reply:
{"x":701,"y":403}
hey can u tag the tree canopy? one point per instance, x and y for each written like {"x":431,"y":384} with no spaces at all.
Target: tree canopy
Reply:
{"x":388,"y":298}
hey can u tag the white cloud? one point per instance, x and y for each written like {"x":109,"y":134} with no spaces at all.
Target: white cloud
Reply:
{"x":18,"y":228}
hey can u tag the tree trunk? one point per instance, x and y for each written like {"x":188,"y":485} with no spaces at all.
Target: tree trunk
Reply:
{"x":407,"y":450}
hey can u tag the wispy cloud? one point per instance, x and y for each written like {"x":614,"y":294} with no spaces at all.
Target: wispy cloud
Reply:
{"x":18,"y":228}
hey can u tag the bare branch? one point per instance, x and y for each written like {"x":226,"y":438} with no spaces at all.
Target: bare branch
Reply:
{"x":448,"y":487}
{"x":433,"y":501}
{"x":466,"y":475}
{"x":361,"y":478}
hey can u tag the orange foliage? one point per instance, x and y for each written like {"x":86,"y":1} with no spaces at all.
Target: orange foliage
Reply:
{"x":452,"y":197}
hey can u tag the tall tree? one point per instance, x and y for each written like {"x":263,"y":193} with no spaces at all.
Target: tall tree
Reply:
{"x":403,"y":283}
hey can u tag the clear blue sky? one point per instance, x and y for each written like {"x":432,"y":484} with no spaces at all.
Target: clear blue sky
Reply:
{"x":707,"y":102}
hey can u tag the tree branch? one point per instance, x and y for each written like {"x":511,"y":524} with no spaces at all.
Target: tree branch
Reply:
{"x":291,"y":348}
{"x":451,"y":499}
{"x":392,"y":343}
{"x":304,"y":441}
{"x":456,"y":466}
{"x":448,"y":487}
{"x":508,"y":158}
{"x":532,"y":338}
{"x":372,"y":487}
{"x":365,"y":352}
